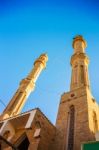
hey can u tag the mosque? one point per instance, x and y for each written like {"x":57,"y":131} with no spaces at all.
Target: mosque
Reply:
{"x":78,"y":114}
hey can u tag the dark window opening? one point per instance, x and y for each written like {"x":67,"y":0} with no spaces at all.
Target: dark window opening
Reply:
{"x":82,"y":73}
{"x":71,"y":128}
{"x":95,"y":123}
{"x":24,"y":144}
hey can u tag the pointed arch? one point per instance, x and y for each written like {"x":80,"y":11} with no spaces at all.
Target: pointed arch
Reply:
{"x":82,"y":73}
{"x":95,"y":122}
{"x":75,"y":73}
{"x":23,"y":142}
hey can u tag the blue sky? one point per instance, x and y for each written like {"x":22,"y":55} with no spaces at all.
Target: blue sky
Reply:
{"x":29,"y":28}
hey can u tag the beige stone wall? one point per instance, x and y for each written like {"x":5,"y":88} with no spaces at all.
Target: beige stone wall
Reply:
{"x":83,"y":122}
{"x":38,"y":140}
{"x":93,"y":107}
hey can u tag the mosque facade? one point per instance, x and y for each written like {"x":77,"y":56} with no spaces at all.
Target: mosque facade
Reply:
{"x":78,"y":114}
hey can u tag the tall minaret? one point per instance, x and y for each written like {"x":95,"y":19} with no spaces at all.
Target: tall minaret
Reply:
{"x":78,"y":113}
{"x":26,"y":86}
{"x":79,"y":62}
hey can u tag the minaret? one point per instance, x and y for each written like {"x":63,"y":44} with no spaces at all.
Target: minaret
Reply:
{"x":77,"y":119}
{"x":79,"y":63}
{"x":26,"y":86}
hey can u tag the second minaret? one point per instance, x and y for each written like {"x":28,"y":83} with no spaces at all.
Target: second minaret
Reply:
{"x":26,"y":86}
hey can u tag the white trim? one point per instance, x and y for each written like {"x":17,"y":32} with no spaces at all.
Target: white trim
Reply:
{"x":3,"y":126}
{"x":30,"y":120}
{"x":16,"y":116}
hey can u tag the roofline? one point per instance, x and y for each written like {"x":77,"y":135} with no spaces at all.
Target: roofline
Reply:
{"x":23,"y":113}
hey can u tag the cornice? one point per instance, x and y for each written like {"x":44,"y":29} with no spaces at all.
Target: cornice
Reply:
{"x":80,"y":56}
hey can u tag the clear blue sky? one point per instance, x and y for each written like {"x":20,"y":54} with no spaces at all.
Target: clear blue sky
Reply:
{"x":29,"y":28}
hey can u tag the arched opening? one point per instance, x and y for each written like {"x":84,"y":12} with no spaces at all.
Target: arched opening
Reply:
{"x":75,"y":73}
{"x":82,"y":73}
{"x":38,"y":124}
{"x":6,"y":134}
{"x":23,"y":143}
{"x":71,"y":128}
{"x":95,"y":123}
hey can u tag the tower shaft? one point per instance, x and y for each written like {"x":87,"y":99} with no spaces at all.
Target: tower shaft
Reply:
{"x":77,"y":119}
{"x":26,"y":86}
{"x":79,"y":63}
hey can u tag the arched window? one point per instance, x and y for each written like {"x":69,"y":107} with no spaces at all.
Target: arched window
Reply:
{"x":82,"y":73}
{"x":38,"y":124}
{"x":71,"y":128}
{"x":95,"y":123}
{"x":6,"y":134}
{"x":75,"y":74}
{"x":23,"y":143}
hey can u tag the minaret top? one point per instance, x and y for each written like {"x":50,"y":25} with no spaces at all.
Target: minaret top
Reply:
{"x":43,"y":59}
{"x":79,"y":62}
{"x":79,"y":44}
